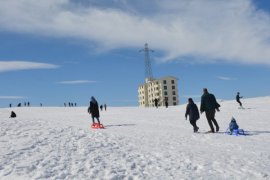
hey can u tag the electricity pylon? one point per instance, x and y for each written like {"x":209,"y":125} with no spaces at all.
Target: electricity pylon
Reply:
{"x":147,"y":62}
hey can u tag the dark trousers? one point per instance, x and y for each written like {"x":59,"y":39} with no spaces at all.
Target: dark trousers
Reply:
{"x":210,"y":116}
{"x":239,"y":102}
{"x":93,"y":119}
{"x":193,"y":123}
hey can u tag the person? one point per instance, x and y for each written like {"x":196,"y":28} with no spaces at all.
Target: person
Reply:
{"x":233,"y":125}
{"x":156,"y":102}
{"x":93,"y":110}
{"x":193,"y":113}
{"x":10,"y":105}
{"x":13,"y":114}
{"x":238,"y":97}
{"x":105,"y":107}
{"x":209,"y":105}
{"x":166,"y":103}
{"x":101,"y":107}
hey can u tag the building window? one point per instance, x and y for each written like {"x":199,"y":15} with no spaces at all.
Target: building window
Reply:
{"x":174,"y":103}
{"x":165,"y":93}
{"x":173,"y":92}
{"x":164,"y":82}
{"x":172,"y":81}
{"x":165,"y":87}
{"x":174,"y":98}
{"x":173,"y":87}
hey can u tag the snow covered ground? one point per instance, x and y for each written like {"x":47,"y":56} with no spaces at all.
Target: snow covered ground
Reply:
{"x":138,"y":143}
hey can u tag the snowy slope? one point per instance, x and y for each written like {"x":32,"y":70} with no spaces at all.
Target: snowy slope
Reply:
{"x":138,"y":143}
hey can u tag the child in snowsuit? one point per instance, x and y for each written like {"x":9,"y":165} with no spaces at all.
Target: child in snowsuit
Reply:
{"x":193,"y":113}
{"x":233,"y":125}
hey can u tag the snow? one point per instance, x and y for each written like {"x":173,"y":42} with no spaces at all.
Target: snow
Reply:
{"x":138,"y":143}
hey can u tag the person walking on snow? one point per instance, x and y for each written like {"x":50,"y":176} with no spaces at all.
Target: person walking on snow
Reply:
{"x":93,"y":109}
{"x":166,"y":103}
{"x":238,"y":97}
{"x":209,"y":105}
{"x":156,"y":102}
{"x":193,"y":113}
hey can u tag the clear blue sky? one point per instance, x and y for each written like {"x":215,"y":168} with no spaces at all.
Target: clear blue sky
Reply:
{"x":67,"y":51}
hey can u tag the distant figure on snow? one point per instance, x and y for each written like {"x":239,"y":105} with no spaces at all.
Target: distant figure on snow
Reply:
{"x":209,"y":105}
{"x":13,"y":114}
{"x":19,"y":105}
{"x":238,"y":97}
{"x":10,"y":105}
{"x":193,"y":113}
{"x":166,"y":103}
{"x":105,"y":107}
{"x":101,"y":107}
{"x":156,"y":102}
{"x":93,"y":110}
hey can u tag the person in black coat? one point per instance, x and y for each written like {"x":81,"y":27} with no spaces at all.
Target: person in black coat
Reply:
{"x":13,"y":114}
{"x":209,"y":105}
{"x":193,"y":113}
{"x":93,"y":109}
{"x":156,"y":102}
{"x":166,"y":103}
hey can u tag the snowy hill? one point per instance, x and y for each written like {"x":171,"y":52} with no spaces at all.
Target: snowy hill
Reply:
{"x":138,"y":143}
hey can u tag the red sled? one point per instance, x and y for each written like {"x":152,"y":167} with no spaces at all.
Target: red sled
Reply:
{"x":97,"y":126}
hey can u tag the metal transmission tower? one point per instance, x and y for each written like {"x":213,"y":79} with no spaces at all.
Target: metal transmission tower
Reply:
{"x":147,"y":62}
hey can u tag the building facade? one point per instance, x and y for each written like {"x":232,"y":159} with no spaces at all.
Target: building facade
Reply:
{"x":164,"y":89}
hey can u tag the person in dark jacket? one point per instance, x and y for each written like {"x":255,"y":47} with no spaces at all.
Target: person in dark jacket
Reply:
{"x":12,"y":114}
{"x":93,"y":110}
{"x":209,"y":105}
{"x":193,"y":113}
{"x":238,"y":97}
{"x":166,"y":102}
{"x":156,"y":102}
{"x":233,"y":125}
{"x":101,"y":107}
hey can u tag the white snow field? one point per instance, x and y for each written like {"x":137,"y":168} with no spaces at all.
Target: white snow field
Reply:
{"x":138,"y":143}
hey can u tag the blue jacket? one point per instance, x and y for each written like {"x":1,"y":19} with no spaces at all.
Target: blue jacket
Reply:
{"x":233,"y":125}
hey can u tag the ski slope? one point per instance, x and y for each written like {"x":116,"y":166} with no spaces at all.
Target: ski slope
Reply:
{"x":138,"y":143}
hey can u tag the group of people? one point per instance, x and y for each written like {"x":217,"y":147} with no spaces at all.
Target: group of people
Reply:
{"x":20,"y":104}
{"x":101,"y":107}
{"x":70,"y":104}
{"x":210,"y":106}
{"x":165,"y":102}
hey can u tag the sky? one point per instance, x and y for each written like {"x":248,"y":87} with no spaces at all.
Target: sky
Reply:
{"x":53,"y":52}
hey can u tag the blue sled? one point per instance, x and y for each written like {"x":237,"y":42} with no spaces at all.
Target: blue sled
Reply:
{"x":235,"y":132}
